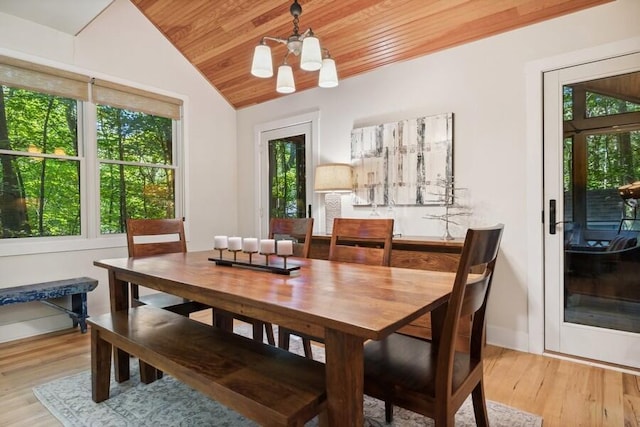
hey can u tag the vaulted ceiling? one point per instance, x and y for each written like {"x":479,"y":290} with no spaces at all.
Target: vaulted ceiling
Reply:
{"x":218,"y":36}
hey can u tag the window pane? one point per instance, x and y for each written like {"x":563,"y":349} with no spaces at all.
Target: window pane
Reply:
{"x":612,"y":161}
{"x":39,"y":123}
{"x":39,"y":197}
{"x":143,"y":190}
{"x":287,"y":177}
{"x":134,"y":192}
{"x":567,"y":102}
{"x":134,"y":137}
{"x":567,"y":154}
{"x":601,"y":105}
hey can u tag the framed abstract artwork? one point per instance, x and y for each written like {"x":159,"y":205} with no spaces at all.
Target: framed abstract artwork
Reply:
{"x":402,"y":163}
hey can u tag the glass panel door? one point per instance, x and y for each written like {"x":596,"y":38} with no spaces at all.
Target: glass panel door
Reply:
{"x":592,"y":187}
{"x":284,"y":181}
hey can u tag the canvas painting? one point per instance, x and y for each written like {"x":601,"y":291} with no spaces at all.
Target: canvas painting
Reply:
{"x":404,"y":162}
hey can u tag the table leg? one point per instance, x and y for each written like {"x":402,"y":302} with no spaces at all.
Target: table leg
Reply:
{"x":345,"y":378}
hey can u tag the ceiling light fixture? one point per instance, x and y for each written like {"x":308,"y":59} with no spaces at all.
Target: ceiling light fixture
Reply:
{"x":307,"y":46}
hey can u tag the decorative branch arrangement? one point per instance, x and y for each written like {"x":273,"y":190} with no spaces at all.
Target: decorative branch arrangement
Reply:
{"x":452,"y":209}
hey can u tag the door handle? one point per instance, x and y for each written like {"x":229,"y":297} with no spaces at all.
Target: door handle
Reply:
{"x":552,"y":216}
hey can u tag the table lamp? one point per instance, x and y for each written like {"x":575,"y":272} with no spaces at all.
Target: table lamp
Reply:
{"x":332,"y":179}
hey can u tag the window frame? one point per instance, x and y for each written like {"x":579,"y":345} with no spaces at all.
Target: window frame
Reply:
{"x":90,"y":236}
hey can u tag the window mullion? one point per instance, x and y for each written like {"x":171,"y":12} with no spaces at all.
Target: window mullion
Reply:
{"x":91,"y":172}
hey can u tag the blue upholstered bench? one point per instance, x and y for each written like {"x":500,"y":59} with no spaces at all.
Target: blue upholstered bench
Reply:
{"x":77,"y":288}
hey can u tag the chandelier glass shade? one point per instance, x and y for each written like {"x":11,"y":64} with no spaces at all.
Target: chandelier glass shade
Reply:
{"x":307,"y":46}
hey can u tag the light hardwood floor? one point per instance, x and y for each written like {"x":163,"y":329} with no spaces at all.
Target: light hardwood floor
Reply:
{"x":564,"y":393}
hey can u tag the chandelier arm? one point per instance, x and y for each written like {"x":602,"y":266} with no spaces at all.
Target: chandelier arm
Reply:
{"x":305,"y":34}
{"x":275,"y":39}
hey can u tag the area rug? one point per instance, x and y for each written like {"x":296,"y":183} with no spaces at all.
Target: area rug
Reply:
{"x":168,"y":402}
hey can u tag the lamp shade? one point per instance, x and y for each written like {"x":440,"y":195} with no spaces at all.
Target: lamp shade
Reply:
{"x":285,"y":79}
{"x":311,"y":59}
{"x":262,"y":65}
{"x":328,"y":74}
{"x":333,"y":177}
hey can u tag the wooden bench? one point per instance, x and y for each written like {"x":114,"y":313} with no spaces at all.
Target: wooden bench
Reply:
{"x":264,"y":383}
{"x":77,"y":288}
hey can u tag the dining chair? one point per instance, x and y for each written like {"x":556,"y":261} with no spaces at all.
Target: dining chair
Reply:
{"x":300,"y":230}
{"x":146,"y":237}
{"x":362,"y":241}
{"x":297,"y":229}
{"x":431,"y":377}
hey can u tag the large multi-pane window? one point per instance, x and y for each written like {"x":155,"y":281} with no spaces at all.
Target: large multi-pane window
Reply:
{"x":39,"y":164}
{"x":137,"y":173}
{"x":65,"y":139}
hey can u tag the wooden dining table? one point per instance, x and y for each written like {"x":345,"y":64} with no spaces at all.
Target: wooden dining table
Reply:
{"x":345,"y":303}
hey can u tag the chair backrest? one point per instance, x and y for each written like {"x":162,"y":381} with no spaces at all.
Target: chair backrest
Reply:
{"x":155,"y":236}
{"x":298,"y":228}
{"x":362,"y":241}
{"x":468,"y":297}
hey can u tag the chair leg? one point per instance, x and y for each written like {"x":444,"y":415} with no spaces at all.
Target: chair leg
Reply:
{"x":306,"y":343}
{"x":283,"y":338}
{"x":257,"y":331}
{"x":480,"y":405}
{"x":271,"y":339}
{"x":388,"y":412}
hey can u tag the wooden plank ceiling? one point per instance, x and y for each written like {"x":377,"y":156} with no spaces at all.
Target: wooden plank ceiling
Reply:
{"x":218,"y":36}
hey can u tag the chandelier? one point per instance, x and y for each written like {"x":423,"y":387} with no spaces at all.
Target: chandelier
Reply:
{"x":305,"y":45}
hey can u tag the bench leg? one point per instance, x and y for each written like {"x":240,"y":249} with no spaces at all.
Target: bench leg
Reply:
{"x":121,"y":359}
{"x":148,"y":373}
{"x":79,"y":307}
{"x":100,"y":366}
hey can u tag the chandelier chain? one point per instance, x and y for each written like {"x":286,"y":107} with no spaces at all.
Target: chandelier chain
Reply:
{"x":295,"y":26}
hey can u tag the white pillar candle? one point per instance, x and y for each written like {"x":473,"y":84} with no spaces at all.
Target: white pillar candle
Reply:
{"x":250,"y":244}
{"x":285,"y":247}
{"x":220,"y":242}
{"x":267,"y":246}
{"x":235,"y":243}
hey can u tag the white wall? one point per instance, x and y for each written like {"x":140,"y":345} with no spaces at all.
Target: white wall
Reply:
{"x":122,"y":45}
{"x":485,"y":85}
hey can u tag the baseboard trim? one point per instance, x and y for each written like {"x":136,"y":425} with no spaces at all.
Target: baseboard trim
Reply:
{"x":507,"y":338}
{"x":33,"y":327}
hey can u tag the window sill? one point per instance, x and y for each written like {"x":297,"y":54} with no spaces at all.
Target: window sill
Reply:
{"x":43,"y":245}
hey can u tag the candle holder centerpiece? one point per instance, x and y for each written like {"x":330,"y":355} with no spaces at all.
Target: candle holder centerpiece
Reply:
{"x":250,"y":246}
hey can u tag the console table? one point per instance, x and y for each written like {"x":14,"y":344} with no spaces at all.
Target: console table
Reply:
{"x":417,"y":252}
